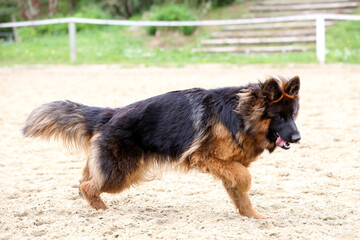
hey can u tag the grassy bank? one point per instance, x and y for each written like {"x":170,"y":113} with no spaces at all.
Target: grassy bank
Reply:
{"x":119,"y":45}
{"x":126,"y":47}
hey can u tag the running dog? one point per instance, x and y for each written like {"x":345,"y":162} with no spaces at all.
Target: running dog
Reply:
{"x":219,"y":131}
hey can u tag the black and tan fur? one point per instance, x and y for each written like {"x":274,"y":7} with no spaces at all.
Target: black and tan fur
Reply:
{"x":218,"y":131}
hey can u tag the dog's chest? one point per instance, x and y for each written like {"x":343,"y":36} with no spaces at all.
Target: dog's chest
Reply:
{"x":222,"y":145}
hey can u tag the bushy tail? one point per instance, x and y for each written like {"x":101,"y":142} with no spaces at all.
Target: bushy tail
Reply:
{"x":73,"y":123}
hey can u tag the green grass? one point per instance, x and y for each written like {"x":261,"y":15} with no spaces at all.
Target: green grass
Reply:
{"x":119,"y":45}
{"x":47,"y":50}
{"x":343,"y":42}
{"x":124,"y":47}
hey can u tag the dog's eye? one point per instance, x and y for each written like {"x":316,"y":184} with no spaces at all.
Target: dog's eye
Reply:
{"x":279,"y":117}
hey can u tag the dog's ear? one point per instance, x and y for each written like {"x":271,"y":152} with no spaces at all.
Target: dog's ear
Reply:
{"x":292,"y":87}
{"x":271,"y":90}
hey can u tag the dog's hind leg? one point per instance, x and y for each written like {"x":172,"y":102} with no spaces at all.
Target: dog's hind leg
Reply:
{"x":92,"y":181}
{"x":237,"y":181}
{"x":85,"y":175}
{"x":111,"y":168}
{"x":91,"y":193}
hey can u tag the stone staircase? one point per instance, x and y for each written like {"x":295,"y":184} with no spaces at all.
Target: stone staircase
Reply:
{"x":274,"y":37}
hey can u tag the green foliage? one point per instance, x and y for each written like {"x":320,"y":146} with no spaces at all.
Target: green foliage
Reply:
{"x":27,"y":33}
{"x":172,"y":12}
{"x":220,"y":3}
{"x":63,"y":7}
{"x":8,"y":8}
{"x":126,"y":8}
{"x":92,"y":11}
{"x":54,"y":29}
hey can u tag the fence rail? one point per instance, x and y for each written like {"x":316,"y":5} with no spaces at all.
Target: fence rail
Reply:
{"x":319,"y":18}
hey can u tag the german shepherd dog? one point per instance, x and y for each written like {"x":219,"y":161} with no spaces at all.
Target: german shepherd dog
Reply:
{"x":219,"y":131}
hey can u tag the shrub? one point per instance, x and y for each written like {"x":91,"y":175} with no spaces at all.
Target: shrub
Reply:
{"x":128,"y":8}
{"x":220,"y":3}
{"x":27,"y":33}
{"x":92,"y":11}
{"x":172,"y":12}
{"x":54,"y":29}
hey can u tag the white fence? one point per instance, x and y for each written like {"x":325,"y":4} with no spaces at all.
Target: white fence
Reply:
{"x":319,"y":18}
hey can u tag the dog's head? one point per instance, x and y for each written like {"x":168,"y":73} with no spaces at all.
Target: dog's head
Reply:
{"x":282,"y":97}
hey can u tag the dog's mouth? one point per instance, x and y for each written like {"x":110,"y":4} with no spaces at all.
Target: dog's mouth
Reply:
{"x":282,"y":143}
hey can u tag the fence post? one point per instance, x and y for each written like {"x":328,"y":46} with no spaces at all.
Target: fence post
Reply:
{"x":72,"y":37}
{"x":15,"y":33}
{"x":320,"y":39}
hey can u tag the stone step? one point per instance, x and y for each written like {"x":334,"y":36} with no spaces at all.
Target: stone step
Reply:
{"x":277,"y":25}
{"x":304,"y":7}
{"x":271,"y":49}
{"x":293,"y":36}
{"x":297,"y":2}
{"x":290,"y":13}
{"x":254,"y":41}
{"x":266,"y":33}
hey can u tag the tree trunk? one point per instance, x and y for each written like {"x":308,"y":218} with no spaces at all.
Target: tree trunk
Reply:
{"x":127,"y":6}
{"x":52,"y":7}
{"x":71,"y":6}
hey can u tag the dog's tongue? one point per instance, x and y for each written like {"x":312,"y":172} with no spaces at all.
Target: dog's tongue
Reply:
{"x":282,"y":143}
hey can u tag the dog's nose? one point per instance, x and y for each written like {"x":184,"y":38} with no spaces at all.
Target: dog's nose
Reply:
{"x":295,"y":137}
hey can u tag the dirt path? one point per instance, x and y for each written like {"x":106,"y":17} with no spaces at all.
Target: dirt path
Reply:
{"x":313,"y":190}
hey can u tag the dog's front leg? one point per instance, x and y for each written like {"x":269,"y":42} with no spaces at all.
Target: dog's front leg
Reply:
{"x":242,"y":201}
{"x":237,"y":181}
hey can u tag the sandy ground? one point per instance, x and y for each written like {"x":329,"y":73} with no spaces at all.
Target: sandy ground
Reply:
{"x":312,"y":190}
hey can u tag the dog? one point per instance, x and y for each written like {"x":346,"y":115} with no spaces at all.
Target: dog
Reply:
{"x":218,"y":131}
